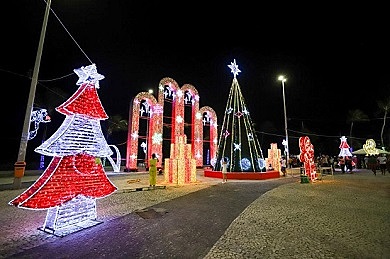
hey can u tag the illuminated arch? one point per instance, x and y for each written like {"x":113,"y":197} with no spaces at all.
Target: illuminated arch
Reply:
{"x":133,"y":128}
{"x":207,"y":115}
{"x":180,"y":96}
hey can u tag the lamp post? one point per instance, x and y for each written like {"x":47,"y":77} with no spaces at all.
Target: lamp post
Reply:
{"x":283,"y":79}
{"x":20,"y":163}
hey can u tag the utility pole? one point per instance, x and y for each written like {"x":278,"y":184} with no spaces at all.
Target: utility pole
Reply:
{"x":20,"y":164}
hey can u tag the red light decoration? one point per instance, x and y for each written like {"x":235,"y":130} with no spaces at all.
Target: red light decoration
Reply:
{"x":306,"y":156}
{"x":179,"y":97}
{"x":75,"y":177}
{"x":64,"y":179}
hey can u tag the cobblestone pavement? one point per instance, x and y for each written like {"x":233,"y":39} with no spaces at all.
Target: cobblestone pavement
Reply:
{"x":342,"y":216}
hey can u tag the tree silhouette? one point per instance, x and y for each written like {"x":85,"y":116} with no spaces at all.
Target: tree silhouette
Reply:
{"x":355,"y":116}
{"x":116,"y":124}
{"x":384,"y":107}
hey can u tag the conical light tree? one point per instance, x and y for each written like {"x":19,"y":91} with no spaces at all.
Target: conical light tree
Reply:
{"x":75,"y":177}
{"x":238,"y":143}
{"x":344,"y":147}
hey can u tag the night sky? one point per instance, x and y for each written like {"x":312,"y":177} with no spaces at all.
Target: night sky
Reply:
{"x":335,"y":59}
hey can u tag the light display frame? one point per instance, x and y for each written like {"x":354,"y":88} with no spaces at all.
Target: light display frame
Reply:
{"x":181,"y":96}
{"x":75,"y":178}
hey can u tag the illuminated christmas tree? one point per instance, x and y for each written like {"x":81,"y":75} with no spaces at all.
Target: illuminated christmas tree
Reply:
{"x":344,"y":147}
{"x":75,"y":177}
{"x":238,"y":143}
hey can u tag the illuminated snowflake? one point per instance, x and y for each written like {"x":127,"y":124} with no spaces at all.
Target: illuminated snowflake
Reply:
{"x":157,"y":138}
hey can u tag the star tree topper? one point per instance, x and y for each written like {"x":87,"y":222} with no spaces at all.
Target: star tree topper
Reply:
{"x":88,"y":74}
{"x":234,"y":68}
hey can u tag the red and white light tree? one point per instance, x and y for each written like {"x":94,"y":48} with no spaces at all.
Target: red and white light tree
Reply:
{"x":344,"y":147}
{"x":75,"y":177}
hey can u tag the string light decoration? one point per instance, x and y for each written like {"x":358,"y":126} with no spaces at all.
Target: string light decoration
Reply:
{"x":180,"y":168}
{"x":370,"y":148}
{"x":37,"y":117}
{"x":344,"y":147}
{"x":169,"y":91}
{"x":306,"y":156}
{"x":238,"y":143}
{"x":274,"y":157}
{"x":75,"y":177}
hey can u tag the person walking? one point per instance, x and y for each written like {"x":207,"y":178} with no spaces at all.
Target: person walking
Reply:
{"x":372,"y":163}
{"x":342,"y":164}
{"x":382,"y":163}
{"x":153,"y":170}
{"x":224,"y":171}
{"x":388,"y":163}
{"x":348,"y":164}
{"x":283,"y":165}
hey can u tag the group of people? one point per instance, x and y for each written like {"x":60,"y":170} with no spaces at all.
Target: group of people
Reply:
{"x":346,"y":164}
{"x":372,"y":162}
{"x":375,"y":162}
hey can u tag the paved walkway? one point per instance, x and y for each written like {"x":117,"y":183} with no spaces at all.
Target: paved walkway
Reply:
{"x":342,"y":216}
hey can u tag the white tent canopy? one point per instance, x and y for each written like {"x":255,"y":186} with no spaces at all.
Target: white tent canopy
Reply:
{"x":376,"y":151}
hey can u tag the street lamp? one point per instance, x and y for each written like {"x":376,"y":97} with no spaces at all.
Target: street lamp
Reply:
{"x":283,"y":79}
{"x":20,"y":163}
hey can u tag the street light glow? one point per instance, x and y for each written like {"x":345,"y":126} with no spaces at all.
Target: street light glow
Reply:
{"x":283,"y":79}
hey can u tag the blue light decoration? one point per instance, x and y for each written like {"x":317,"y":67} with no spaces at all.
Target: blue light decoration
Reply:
{"x":238,"y":141}
{"x":75,"y":177}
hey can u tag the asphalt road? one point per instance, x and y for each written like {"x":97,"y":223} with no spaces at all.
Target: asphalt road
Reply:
{"x":185,"y":227}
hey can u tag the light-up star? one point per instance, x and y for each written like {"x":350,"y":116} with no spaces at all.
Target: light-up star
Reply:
{"x":237,"y":146}
{"x":142,"y":111}
{"x":88,"y":74}
{"x":228,"y":111}
{"x":234,"y":68}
